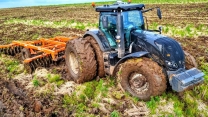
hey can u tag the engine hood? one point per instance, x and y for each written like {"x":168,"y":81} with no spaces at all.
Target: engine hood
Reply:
{"x":171,"y":51}
{"x":147,"y":35}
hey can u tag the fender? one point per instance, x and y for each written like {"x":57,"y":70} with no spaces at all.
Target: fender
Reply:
{"x":104,"y":46}
{"x":133,"y":55}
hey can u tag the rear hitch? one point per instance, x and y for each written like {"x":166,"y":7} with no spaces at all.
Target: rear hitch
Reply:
{"x":182,"y":79}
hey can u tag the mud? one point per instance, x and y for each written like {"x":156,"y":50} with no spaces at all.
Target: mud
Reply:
{"x":23,"y":32}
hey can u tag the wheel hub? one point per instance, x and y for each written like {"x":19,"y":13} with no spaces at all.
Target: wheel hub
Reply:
{"x":138,"y":83}
{"x":73,"y":62}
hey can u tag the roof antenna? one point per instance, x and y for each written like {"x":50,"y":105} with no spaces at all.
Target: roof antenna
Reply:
{"x":119,"y":1}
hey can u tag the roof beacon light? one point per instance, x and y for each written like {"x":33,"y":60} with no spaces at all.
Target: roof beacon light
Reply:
{"x":129,"y":1}
{"x":93,"y":4}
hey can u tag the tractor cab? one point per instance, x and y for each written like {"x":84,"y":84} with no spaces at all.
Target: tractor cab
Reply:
{"x":117,"y":20}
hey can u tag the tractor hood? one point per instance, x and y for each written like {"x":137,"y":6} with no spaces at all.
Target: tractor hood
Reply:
{"x":147,"y":35}
{"x":169,"y":49}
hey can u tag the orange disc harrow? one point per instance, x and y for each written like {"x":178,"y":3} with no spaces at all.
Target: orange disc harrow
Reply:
{"x":42,"y":52}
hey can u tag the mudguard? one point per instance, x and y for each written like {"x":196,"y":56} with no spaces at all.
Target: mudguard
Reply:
{"x":133,"y":55}
{"x":104,"y":46}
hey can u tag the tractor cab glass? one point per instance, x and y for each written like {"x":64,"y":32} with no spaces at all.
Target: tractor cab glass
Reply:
{"x":108,"y":26}
{"x":131,"y":20}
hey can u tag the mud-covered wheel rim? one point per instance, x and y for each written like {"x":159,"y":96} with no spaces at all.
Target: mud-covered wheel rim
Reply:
{"x":138,"y":83}
{"x":142,"y":78}
{"x":73,"y":62}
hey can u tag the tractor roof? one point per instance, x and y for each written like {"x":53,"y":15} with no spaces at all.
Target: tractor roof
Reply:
{"x":119,"y":6}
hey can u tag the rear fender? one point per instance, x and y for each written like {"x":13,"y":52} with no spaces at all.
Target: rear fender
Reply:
{"x":99,"y":38}
{"x":130,"y":56}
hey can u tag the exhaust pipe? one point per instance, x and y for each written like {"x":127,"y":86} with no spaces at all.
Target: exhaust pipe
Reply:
{"x":120,"y":35}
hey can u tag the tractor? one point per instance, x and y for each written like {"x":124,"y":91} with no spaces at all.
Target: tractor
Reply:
{"x":141,"y":60}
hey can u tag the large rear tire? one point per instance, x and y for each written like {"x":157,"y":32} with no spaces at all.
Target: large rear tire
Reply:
{"x":80,"y":60}
{"x":190,"y":62}
{"x":142,"y":78}
{"x":98,"y":55}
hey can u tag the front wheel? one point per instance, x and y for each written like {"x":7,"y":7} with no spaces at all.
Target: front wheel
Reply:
{"x":142,"y":78}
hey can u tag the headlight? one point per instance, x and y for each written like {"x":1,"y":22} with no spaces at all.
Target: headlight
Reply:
{"x":171,"y":64}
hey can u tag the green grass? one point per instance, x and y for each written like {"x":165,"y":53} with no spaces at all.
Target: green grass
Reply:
{"x":115,"y":114}
{"x":89,"y":93}
{"x":53,"y":24}
{"x":55,"y":79}
{"x":13,"y":67}
{"x":35,"y":82}
{"x":152,"y":104}
{"x":176,"y":31}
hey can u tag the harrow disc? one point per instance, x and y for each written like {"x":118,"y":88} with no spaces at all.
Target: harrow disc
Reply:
{"x":7,"y":51}
{"x":32,"y":66}
{"x":4,"y":50}
{"x":36,"y":63}
{"x":17,"y":49}
{"x":45,"y":61}
{"x":12,"y":53}
{"x":49,"y":61}
{"x":42,"y":62}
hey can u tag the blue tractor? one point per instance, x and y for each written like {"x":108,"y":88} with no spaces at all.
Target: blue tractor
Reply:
{"x":141,"y":60}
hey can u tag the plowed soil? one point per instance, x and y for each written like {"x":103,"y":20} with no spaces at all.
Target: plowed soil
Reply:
{"x":16,"y":100}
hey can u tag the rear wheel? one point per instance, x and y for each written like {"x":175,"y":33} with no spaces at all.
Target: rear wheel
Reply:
{"x":142,"y":78}
{"x":98,"y":55}
{"x":190,"y":62}
{"x":80,"y":60}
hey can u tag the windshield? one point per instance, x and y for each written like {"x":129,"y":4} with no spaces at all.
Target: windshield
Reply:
{"x":133,"y":18}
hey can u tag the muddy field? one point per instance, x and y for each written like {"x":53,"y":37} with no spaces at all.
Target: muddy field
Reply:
{"x":175,"y":15}
{"x":19,"y":98}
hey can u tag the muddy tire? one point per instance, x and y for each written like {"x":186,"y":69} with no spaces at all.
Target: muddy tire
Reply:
{"x":80,"y":60}
{"x":142,"y":78}
{"x":98,"y":55}
{"x":25,"y":53}
{"x":190,"y":62}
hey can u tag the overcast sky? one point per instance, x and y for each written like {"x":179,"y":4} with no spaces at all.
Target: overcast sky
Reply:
{"x":22,"y":3}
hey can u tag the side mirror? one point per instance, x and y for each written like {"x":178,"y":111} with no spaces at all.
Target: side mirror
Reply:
{"x":105,"y":22}
{"x":159,"y":13}
{"x":160,"y":29}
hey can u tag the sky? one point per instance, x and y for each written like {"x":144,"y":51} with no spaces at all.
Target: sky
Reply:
{"x":22,"y":3}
